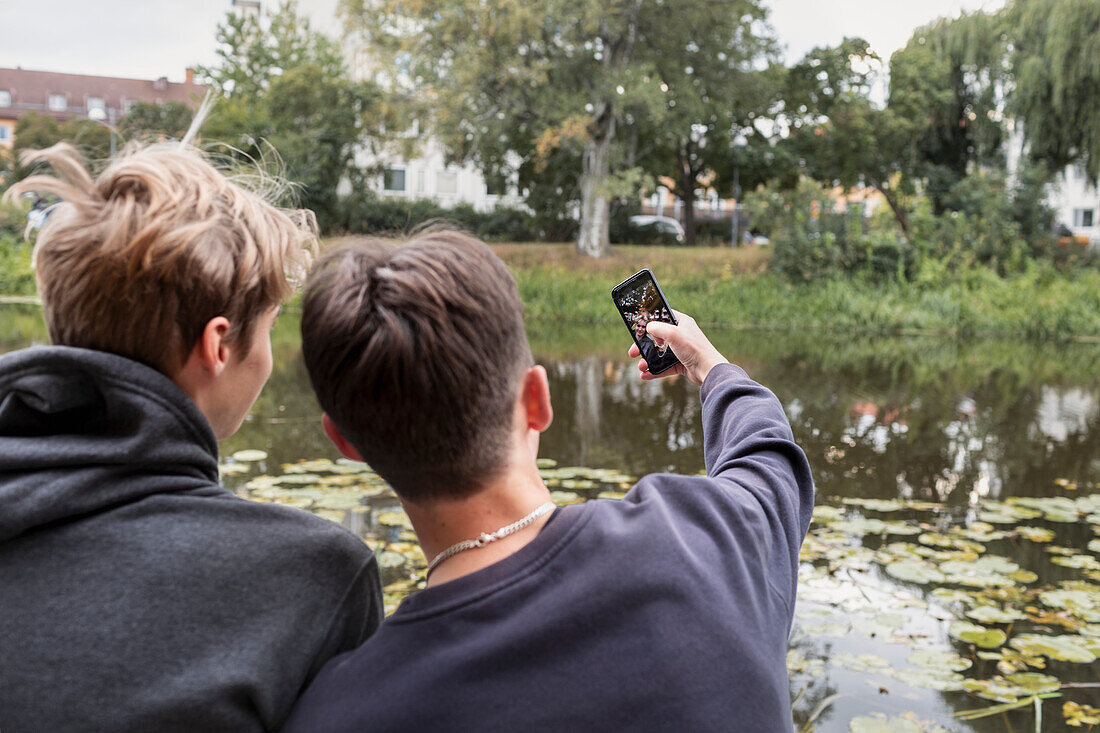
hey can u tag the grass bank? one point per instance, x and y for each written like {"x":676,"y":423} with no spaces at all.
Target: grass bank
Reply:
{"x":733,"y":288}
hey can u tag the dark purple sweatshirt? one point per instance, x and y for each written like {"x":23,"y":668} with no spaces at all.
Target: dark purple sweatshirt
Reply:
{"x":668,"y":610}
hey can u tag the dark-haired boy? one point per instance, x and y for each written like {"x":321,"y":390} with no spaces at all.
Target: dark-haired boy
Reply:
{"x":668,"y":610}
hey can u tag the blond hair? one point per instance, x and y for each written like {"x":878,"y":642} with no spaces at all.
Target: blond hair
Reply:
{"x":138,"y":260}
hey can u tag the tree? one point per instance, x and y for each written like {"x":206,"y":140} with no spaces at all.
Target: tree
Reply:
{"x":528,"y":81}
{"x":285,"y":88}
{"x":158,"y":121}
{"x":1056,"y":61}
{"x":843,"y":138}
{"x":314,"y":120}
{"x":35,"y":131}
{"x":719,"y":82}
{"x":952,"y":79}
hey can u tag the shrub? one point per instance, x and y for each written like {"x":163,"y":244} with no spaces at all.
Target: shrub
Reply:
{"x":370,"y":214}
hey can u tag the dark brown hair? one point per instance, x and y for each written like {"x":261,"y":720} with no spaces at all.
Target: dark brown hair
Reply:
{"x":416,"y":352}
{"x":138,"y":259}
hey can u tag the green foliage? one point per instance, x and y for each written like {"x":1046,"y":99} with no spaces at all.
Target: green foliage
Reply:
{"x":286,"y":88}
{"x":16,"y":273}
{"x":950,"y":80}
{"x":1056,"y":64}
{"x":580,"y":89}
{"x":369,"y":214}
{"x":147,"y":120}
{"x":812,"y":239}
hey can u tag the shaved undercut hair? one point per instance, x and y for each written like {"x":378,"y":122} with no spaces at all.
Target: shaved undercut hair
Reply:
{"x":416,"y":352}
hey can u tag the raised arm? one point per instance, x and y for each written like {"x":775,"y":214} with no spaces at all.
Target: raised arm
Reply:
{"x":747,"y":441}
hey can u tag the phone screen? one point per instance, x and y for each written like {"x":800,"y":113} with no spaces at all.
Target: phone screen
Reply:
{"x":639,"y":300}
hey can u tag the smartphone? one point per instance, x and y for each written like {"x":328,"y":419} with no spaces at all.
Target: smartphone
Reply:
{"x":639,"y":300}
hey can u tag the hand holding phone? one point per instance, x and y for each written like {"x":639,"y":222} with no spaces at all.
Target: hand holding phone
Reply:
{"x":696,"y":353}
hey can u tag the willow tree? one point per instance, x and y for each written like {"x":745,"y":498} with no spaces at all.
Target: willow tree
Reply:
{"x":508,"y":81}
{"x":1056,"y":62}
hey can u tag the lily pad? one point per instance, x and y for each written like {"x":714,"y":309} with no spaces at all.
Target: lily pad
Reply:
{"x":1064,"y":648}
{"x":994,"y":615}
{"x":879,"y":723}
{"x":979,"y":636}
{"x":1012,"y":687}
{"x":915,"y":571}
{"x":1077,"y":714}
{"x":1035,"y":534}
{"x":249,"y":456}
{"x":938,"y":660}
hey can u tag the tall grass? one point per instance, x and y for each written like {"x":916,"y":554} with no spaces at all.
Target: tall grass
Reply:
{"x":732,"y":289}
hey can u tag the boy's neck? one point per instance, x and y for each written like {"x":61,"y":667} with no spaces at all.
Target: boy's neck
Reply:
{"x":506,"y":499}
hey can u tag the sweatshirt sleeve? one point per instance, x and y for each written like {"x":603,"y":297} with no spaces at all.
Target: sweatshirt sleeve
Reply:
{"x":749,"y":447}
{"x":358,"y":615}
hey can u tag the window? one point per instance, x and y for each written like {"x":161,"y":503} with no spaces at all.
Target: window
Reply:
{"x":57,"y":102}
{"x":446,"y":182}
{"x":496,"y":185}
{"x":97,"y":108}
{"x":393,"y":179}
{"x":127,"y":105}
{"x":1082,"y":217}
{"x":5,"y":133}
{"x":5,"y":98}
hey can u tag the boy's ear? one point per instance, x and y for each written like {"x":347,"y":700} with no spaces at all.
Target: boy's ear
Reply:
{"x":536,"y":398}
{"x":346,"y":449}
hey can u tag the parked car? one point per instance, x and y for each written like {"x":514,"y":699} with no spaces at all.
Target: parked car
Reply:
{"x":662,"y":224}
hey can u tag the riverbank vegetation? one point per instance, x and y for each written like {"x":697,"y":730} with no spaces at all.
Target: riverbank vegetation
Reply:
{"x":736,"y":289}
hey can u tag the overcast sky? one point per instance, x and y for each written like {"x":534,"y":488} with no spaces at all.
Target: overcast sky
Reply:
{"x":151,"y":38}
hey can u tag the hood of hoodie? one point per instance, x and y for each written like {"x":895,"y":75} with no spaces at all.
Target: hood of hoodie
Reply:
{"x":82,"y":431}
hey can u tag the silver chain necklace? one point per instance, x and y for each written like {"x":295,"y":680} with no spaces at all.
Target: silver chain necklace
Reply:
{"x":486,"y":537}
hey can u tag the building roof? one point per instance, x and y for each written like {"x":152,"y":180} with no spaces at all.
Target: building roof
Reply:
{"x":30,"y":91}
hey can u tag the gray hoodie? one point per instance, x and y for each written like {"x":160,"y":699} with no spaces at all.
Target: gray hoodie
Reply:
{"x":135,"y":592}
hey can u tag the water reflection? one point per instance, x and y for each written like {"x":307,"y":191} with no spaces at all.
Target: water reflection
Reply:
{"x":910,"y":419}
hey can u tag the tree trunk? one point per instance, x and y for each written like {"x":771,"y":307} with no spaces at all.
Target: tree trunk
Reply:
{"x":900,"y":214}
{"x":688,"y":185}
{"x":594,"y":237}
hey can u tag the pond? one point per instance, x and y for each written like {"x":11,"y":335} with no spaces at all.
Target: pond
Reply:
{"x":954,"y":560}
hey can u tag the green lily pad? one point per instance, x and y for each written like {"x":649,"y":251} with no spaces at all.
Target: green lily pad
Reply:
{"x":860,"y":662}
{"x":1069,"y":599}
{"x":1012,"y":687}
{"x":915,"y":571}
{"x":936,"y":539}
{"x":1078,"y":562}
{"x":979,"y":636}
{"x":941,"y":680}
{"x":994,"y":615}
{"x":1065,"y":648}
{"x":1036,"y":534}
{"x":824,"y":513}
{"x":1078,"y":715}
{"x":390,"y":559}
{"x":879,"y":723}
{"x":877,"y":505}
{"x":395,"y":519}
{"x":249,"y":456}
{"x":938,"y":660}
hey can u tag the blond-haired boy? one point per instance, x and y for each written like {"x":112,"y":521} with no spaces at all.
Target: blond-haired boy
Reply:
{"x":138,"y":593}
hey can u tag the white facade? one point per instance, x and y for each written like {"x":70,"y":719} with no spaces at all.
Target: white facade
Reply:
{"x":428,"y":176}
{"x":1075,"y":201}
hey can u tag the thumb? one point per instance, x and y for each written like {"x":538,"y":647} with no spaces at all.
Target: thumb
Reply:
{"x":662,"y":330}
